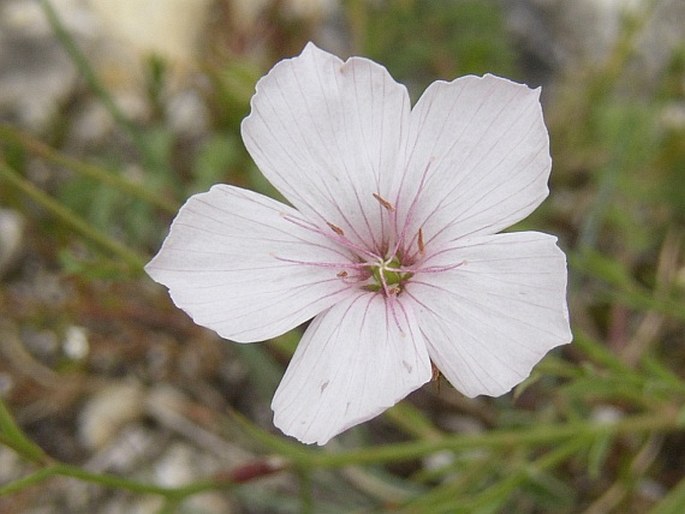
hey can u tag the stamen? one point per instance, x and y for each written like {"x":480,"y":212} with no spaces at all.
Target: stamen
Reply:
{"x":384,"y":283}
{"x":348,"y":265}
{"x":420,"y":242}
{"x":341,"y":274}
{"x":390,"y":207}
{"x":336,"y":229}
{"x":339,"y":236}
{"x":300,"y":223}
{"x":409,"y":216}
{"x":432,"y":269}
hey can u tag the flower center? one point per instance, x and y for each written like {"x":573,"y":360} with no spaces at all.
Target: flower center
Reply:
{"x":387,"y":276}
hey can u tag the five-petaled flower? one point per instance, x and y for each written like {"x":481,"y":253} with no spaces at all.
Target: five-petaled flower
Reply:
{"x":391,"y":243}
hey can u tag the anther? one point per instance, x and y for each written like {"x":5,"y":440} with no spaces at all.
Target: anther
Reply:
{"x":336,"y":229}
{"x":435,"y":373}
{"x":420,"y":242}
{"x":435,"y":376}
{"x":390,"y":207}
{"x":341,"y":274}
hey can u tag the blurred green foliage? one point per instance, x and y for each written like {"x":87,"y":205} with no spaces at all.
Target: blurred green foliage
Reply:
{"x":438,"y":39}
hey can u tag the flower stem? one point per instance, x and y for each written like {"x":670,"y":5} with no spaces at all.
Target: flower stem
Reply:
{"x":306,"y":501}
{"x":27,"y":481}
{"x":107,"y":480}
{"x":118,"y":482}
{"x":666,"y":420}
{"x":12,"y":436}
{"x":542,"y":434}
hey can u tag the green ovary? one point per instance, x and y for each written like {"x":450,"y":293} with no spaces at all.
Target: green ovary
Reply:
{"x":389,"y":273}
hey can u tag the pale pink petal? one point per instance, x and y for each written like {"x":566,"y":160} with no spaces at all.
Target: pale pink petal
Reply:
{"x":486,"y":147}
{"x":328,"y":135}
{"x":488,"y":321}
{"x":354,"y":361}
{"x":228,"y":262}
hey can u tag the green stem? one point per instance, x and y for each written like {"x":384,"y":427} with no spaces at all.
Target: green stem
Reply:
{"x":86,"y":70}
{"x":412,"y":421}
{"x":599,"y":353}
{"x":135,"y":261}
{"x":102,"y":175}
{"x":463,"y":485}
{"x":512,"y":482}
{"x":107,"y":480}
{"x":459,"y":482}
{"x":540,"y":434}
{"x":118,"y":482}
{"x":658,"y":421}
{"x":12,"y":436}
{"x":306,"y":500}
{"x":656,"y":368}
{"x":34,"y":478}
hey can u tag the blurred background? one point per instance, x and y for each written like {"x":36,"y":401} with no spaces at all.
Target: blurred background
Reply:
{"x":112,"y":113}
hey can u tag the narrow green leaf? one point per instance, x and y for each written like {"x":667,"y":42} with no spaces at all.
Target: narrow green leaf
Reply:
{"x":67,"y":217}
{"x":15,"y":438}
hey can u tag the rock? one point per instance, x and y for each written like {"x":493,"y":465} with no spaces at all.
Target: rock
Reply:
{"x":11,"y":237}
{"x":170,"y":29}
{"x":107,"y":411}
{"x":35,"y":73}
{"x":117,"y":38}
{"x":561,"y":36}
{"x":75,"y":344}
{"x":183,"y":464}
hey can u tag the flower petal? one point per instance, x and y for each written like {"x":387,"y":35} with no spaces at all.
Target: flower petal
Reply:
{"x":228,"y":262}
{"x":487,"y":150}
{"x":488,"y":321}
{"x":328,"y":135}
{"x":354,"y":361}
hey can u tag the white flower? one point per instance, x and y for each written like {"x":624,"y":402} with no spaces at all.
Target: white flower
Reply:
{"x":391,"y":245}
